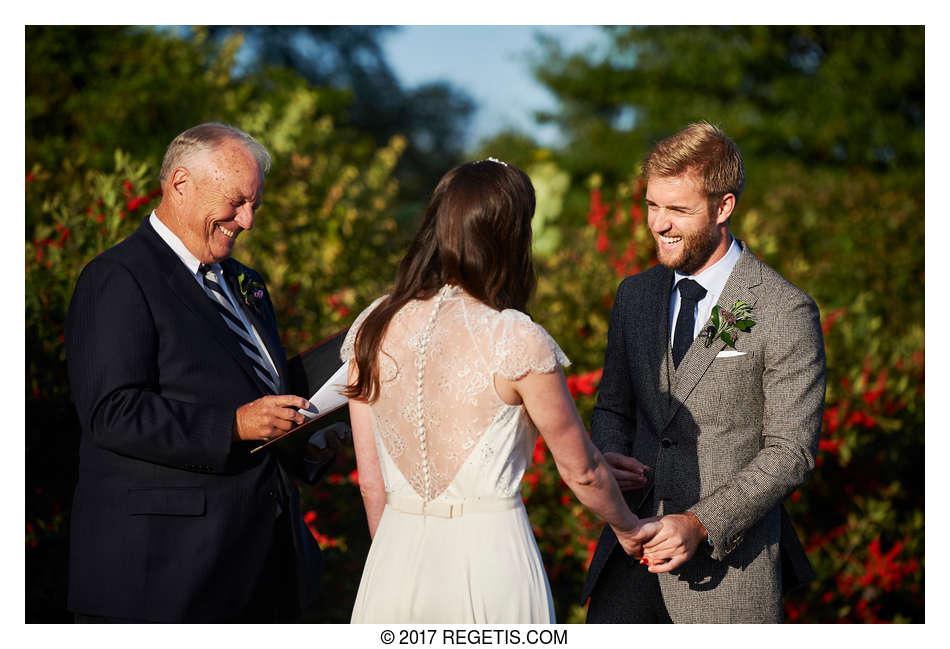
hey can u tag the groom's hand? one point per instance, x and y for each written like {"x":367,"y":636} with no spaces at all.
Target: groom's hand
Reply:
{"x":675,"y":543}
{"x":628,"y":471}
{"x":632,"y":540}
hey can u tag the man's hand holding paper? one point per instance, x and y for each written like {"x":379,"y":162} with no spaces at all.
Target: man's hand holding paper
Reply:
{"x":268,"y":417}
{"x":325,"y":442}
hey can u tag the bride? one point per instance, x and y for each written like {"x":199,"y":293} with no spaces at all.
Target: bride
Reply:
{"x":450,"y":383}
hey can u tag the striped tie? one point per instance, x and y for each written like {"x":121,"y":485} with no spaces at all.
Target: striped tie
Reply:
{"x":226,"y":309}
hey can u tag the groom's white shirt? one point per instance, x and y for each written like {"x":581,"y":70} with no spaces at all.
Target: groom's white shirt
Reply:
{"x":713,"y":279}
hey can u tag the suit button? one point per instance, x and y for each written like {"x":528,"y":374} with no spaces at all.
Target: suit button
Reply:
{"x":666,"y":442}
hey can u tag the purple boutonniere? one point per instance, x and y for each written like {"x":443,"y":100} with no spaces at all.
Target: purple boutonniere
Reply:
{"x":251,"y":291}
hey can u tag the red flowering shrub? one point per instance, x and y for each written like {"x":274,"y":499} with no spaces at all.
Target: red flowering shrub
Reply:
{"x":333,"y":207}
{"x":860,"y":515}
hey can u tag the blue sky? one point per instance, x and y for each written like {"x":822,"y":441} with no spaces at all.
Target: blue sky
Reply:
{"x":490,"y":63}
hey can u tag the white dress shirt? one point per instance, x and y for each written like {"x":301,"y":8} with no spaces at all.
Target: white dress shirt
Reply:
{"x":192,"y":263}
{"x":713,"y":279}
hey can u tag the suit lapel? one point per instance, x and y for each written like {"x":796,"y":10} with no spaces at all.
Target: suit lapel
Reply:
{"x":653,"y":350}
{"x":186,"y":288}
{"x":746,"y":274}
{"x":195,"y":299}
{"x":265,"y":326}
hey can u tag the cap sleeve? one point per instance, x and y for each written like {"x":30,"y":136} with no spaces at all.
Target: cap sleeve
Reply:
{"x":523,"y":346}
{"x":346,"y":350}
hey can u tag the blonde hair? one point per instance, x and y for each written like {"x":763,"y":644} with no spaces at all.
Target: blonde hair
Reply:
{"x":206,"y":137}
{"x":704,"y":150}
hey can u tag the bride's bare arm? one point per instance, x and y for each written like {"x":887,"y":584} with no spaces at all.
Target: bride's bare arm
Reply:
{"x":372,"y":487}
{"x":549,"y":404}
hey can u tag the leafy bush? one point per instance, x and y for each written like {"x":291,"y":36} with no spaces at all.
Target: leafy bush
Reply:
{"x":327,"y":228}
{"x":333,"y":226}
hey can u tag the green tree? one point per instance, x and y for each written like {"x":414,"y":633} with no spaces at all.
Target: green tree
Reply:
{"x":830,"y":121}
{"x":840,"y":96}
{"x":830,"y":124}
{"x":325,"y":239}
{"x":432,"y":117}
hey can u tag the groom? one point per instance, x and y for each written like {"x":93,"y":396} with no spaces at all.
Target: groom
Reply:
{"x":728,"y":430}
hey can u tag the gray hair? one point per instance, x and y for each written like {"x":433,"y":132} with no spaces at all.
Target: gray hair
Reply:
{"x":206,"y":137}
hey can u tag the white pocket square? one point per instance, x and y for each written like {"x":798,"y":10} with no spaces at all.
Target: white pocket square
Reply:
{"x":729,"y":353}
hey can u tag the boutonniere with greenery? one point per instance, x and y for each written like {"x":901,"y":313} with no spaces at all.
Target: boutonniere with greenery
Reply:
{"x":726,"y":325}
{"x":252,"y":291}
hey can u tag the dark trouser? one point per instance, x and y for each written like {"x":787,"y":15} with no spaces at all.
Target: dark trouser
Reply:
{"x":626,"y":593}
{"x":274,"y":599}
{"x":79,"y":618}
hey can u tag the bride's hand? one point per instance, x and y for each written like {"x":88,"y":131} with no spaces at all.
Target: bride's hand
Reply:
{"x":632,"y":540}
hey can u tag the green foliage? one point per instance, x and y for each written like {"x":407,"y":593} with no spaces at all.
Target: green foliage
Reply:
{"x":432,"y":117}
{"x":326,"y":239}
{"x":830,"y":124}
{"x":327,"y":210}
{"x":71,"y":217}
{"x":550,"y":184}
{"x":91,"y":90}
{"x":835,"y":95}
{"x":829,"y":120}
{"x":725,"y":326}
{"x":861,"y":513}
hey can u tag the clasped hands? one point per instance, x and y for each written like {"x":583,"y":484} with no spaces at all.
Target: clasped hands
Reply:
{"x":661,"y":543}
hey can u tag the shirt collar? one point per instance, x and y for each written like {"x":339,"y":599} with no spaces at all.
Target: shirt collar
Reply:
{"x":714,"y":278}
{"x":169,"y":237}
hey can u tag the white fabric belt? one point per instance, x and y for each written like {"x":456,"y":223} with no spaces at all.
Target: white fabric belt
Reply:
{"x":412,"y":505}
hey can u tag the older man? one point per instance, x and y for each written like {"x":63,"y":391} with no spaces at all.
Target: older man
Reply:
{"x":726,"y":416}
{"x":177,"y":371}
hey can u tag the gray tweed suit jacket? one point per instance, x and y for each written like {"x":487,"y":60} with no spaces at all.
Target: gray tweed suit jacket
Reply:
{"x":728,"y":437}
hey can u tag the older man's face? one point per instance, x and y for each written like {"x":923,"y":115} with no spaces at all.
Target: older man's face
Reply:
{"x":226,"y":189}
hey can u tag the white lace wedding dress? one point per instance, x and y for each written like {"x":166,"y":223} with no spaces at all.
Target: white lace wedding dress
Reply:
{"x":454,"y":544}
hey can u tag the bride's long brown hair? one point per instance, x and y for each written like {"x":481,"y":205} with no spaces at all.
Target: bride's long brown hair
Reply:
{"x":476,"y":234}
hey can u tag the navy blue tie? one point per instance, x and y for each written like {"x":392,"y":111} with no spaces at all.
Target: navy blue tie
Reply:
{"x":690,"y":294}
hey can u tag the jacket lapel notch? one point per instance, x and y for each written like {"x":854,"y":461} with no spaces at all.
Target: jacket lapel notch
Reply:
{"x":194,"y":298}
{"x":699,"y":357}
{"x":185,"y":287}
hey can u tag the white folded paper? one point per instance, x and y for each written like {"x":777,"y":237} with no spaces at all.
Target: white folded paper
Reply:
{"x":325,"y":399}
{"x":328,"y":397}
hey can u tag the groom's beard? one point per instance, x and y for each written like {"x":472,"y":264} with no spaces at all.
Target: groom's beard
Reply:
{"x":696,"y":249}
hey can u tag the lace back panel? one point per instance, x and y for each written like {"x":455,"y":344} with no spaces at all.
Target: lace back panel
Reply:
{"x":437,"y":393}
